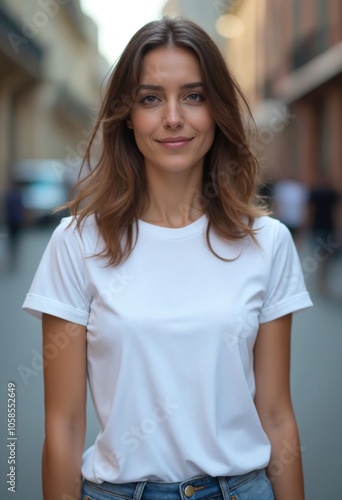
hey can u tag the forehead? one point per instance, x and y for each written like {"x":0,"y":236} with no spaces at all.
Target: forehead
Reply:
{"x":163,"y":64}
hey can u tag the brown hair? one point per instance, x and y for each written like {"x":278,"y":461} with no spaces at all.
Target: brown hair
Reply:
{"x":115,"y":189}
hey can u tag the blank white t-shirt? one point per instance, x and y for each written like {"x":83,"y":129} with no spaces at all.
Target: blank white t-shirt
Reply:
{"x":170,"y":334}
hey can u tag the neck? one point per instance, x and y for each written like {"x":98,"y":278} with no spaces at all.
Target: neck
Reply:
{"x":175,"y":200}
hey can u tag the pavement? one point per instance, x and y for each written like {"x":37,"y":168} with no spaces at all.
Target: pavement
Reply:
{"x":316,"y":374}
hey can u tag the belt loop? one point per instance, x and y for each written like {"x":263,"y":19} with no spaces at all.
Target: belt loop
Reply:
{"x":224,"y":487}
{"x":139,"y":490}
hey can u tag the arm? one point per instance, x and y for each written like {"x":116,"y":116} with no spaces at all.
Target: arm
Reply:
{"x":65,"y":408}
{"x":273,"y":403}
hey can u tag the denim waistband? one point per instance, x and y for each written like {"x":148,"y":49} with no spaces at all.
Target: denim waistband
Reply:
{"x":185,"y":489}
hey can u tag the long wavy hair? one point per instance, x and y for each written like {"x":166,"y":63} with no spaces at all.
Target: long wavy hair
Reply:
{"x":115,"y":189}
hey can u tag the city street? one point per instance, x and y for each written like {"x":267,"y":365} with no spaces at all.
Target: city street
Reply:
{"x":316,"y":377}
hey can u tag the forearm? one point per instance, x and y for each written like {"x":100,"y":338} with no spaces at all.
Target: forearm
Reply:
{"x":285,"y":467}
{"x":61,"y":467}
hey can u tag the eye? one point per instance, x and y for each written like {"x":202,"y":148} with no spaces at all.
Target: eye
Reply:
{"x":148,"y":99}
{"x":195,"y":97}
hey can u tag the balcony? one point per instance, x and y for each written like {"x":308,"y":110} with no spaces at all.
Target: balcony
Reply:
{"x":315,"y":72}
{"x":309,"y":47}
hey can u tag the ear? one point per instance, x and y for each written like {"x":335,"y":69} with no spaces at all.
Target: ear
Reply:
{"x":129,"y":123}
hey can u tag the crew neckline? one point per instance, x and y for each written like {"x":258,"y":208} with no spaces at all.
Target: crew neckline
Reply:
{"x":174,"y":232}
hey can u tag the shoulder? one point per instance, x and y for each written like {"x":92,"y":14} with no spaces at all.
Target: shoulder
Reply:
{"x":271,"y":234}
{"x":69,"y":224}
{"x":266,"y":227}
{"x":71,"y":233}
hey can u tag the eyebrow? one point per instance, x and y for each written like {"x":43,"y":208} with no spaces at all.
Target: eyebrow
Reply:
{"x":159,"y":87}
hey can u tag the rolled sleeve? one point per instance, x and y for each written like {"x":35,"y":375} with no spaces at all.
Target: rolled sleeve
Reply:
{"x":286,"y":292}
{"x":58,"y":287}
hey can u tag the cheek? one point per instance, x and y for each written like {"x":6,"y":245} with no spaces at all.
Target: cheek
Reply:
{"x":141,"y":143}
{"x":209,"y":128}
{"x":144,"y":123}
{"x":143,"y":131}
{"x":206,"y":122}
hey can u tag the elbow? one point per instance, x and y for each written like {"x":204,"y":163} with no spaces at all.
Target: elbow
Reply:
{"x":277,"y":417}
{"x":65,"y":431}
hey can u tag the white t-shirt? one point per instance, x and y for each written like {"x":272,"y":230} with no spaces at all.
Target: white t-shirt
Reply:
{"x":170,"y":335}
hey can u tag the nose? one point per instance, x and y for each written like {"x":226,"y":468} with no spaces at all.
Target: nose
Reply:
{"x":173,"y":117}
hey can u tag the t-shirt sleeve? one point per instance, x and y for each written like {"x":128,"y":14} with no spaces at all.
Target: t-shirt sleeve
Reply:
{"x":286,"y":291}
{"x":58,"y":287}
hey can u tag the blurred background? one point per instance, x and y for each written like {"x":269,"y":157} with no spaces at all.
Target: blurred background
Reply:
{"x":287,"y":56}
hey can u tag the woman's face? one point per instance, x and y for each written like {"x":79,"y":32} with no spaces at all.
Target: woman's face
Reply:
{"x":171,"y":121}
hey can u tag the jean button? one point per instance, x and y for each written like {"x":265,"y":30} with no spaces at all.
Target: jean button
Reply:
{"x":189,"y":490}
{"x":234,"y":497}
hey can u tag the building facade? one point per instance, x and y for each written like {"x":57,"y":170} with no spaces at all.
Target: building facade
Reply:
{"x":303,"y":69}
{"x":50,"y":75}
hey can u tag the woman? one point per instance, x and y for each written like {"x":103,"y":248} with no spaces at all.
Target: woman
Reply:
{"x":175,"y":293}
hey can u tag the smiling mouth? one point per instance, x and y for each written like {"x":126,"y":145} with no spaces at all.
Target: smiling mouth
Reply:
{"x":175,"y":142}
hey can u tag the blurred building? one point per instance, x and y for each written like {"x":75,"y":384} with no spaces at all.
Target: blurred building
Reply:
{"x":50,"y":75}
{"x":202,"y":12}
{"x":303,"y":69}
{"x":287,"y":57}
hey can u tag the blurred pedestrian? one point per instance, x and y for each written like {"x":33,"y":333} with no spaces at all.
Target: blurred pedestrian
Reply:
{"x":290,"y":204}
{"x":174,"y":290}
{"x":323,"y":203}
{"x":14,"y":218}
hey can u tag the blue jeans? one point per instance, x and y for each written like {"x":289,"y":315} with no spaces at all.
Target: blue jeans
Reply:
{"x":251,"y":486}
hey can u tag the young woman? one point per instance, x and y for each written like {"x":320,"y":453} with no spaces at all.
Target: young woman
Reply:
{"x":173,"y":291}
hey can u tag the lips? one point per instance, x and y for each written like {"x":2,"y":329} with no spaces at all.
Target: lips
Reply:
{"x":175,"y":142}
{"x":175,"y":139}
